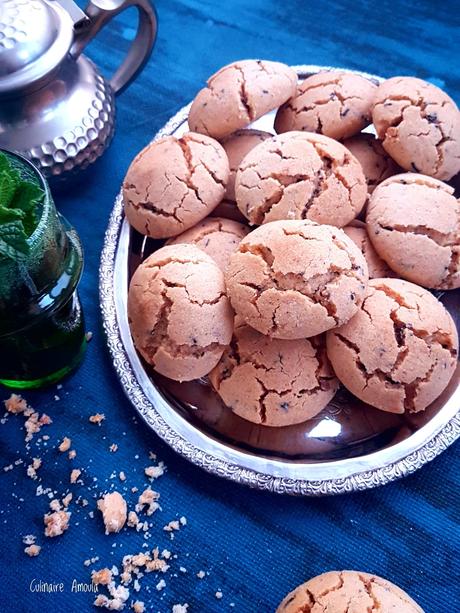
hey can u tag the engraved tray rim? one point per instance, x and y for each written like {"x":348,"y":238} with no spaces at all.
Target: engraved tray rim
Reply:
{"x":281,"y":476}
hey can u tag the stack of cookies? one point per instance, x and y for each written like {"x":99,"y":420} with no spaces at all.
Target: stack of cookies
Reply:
{"x":297,"y":260}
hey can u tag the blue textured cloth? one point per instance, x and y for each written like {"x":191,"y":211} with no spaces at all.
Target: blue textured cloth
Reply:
{"x":255,"y":546}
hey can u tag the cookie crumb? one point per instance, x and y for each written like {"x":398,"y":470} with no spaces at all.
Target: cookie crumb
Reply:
{"x":113,"y":509}
{"x":32,"y":468}
{"x":201,"y":574}
{"x":97,"y":418}
{"x":72,"y":454}
{"x":56,"y":523}
{"x":122,"y":475}
{"x":15,"y":404}
{"x":32,"y":550}
{"x":219,"y":595}
{"x":113,"y":447}
{"x":148,"y":499}
{"x":154,"y":472}
{"x":65,"y":444}
{"x":88,"y":336}
{"x":138,"y":607}
{"x":101,"y":577}
{"x":180,"y":608}
{"x":74,"y":475}
{"x":160,"y":585}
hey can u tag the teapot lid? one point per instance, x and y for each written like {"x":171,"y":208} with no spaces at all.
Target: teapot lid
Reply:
{"x":35,"y":36}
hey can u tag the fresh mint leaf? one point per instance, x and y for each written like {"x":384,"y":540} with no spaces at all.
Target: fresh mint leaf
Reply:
{"x":9,"y":182}
{"x":25,"y":199}
{"x":4,"y":163}
{"x":13,"y":240}
{"x":7,"y":214}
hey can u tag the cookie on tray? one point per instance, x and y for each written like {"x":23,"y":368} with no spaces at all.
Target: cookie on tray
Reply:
{"x":413,"y":222}
{"x":399,"y":352}
{"x":240,"y":93}
{"x":174,"y":183}
{"x":334,"y":103}
{"x":419,"y":126}
{"x":300,"y":175}
{"x":295,"y":279}
{"x":346,"y":591}
{"x":179,"y":314}
{"x":237,"y":146}
{"x":377,"y":267}
{"x":218,"y":237}
{"x":274,"y":382}
{"x":375,"y":161}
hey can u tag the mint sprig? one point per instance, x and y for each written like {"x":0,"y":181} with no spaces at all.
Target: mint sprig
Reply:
{"x":18,"y":210}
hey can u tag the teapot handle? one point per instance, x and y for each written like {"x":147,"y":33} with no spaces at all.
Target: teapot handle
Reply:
{"x":97,"y":14}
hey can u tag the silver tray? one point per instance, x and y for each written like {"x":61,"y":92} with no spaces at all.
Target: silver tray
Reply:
{"x":200,"y":445}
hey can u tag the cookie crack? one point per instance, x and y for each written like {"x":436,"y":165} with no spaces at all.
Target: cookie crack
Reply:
{"x":243,"y":94}
{"x":440,"y":238}
{"x":376,"y":606}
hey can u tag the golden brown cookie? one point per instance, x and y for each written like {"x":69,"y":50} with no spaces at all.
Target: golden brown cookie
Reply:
{"x":375,"y":161}
{"x":236,"y":146}
{"x":419,"y":126}
{"x":348,"y":591}
{"x":274,"y":382}
{"x":240,"y":93}
{"x":399,"y":351}
{"x":334,"y":103}
{"x":174,"y":183}
{"x":180,"y":317}
{"x":300,"y":175}
{"x":296,"y":279}
{"x":377,"y":267}
{"x":216,"y":236}
{"x":413,"y":222}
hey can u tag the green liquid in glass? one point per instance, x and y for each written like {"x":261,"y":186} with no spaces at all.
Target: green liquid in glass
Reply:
{"x":42,"y":335}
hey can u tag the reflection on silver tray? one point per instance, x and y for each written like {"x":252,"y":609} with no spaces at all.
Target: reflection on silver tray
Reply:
{"x":348,"y":447}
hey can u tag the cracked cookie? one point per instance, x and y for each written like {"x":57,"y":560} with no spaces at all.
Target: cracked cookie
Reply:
{"x":377,"y":267}
{"x":413,"y":222}
{"x":174,"y":183}
{"x":216,"y":236}
{"x":334,"y":103}
{"x":419,"y":126}
{"x":274,"y":382}
{"x":399,"y":351}
{"x":300,"y":175}
{"x":179,"y":314}
{"x":240,"y":93}
{"x":236,"y":146}
{"x":295,"y":279}
{"x":348,"y":591}
{"x":377,"y":165}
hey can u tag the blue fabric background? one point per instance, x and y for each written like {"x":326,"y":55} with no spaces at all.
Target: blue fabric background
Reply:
{"x":255,"y":546}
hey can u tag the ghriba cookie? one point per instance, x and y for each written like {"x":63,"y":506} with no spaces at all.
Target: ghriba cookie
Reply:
{"x":236,"y":146}
{"x":377,"y":165}
{"x":377,"y":267}
{"x":348,"y":591}
{"x":334,"y":103}
{"x":179,"y":314}
{"x":419,"y":126}
{"x":174,"y":183}
{"x":216,"y":236}
{"x":240,"y":93}
{"x":300,"y":175}
{"x":413,"y":222}
{"x":274,"y":382}
{"x":295,"y":279}
{"x":399,"y":351}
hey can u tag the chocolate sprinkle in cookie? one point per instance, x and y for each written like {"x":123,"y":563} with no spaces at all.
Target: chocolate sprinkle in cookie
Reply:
{"x":399,"y":351}
{"x":377,"y":267}
{"x":216,"y":236}
{"x":334,"y":103}
{"x":419,"y":126}
{"x":300,"y":175}
{"x":180,"y":317}
{"x":174,"y":183}
{"x":240,"y":93}
{"x":375,"y":161}
{"x":348,"y":591}
{"x":296,"y":279}
{"x":236,"y":146}
{"x":274,"y":382}
{"x":414,"y":224}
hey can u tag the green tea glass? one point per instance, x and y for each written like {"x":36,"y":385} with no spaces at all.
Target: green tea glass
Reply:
{"x":42,"y":335}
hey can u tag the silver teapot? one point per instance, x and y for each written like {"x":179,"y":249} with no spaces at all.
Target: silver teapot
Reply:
{"x":55,"y":107}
